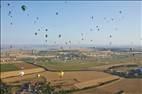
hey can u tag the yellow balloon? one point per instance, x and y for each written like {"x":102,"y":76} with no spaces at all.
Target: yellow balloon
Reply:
{"x":61,"y":74}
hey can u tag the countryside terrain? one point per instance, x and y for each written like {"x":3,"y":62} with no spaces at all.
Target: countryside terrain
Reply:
{"x":86,"y":72}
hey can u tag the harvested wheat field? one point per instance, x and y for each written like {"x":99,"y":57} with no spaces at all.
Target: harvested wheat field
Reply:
{"x":129,"y":86}
{"x":19,"y":67}
{"x":24,"y":65}
{"x":11,"y":74}
{"x":16,"y":65}
{"x":70,"y":79}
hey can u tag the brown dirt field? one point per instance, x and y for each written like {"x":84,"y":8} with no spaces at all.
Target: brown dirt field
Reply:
{"x":81,"y":76}
{"x":69,"y":78}
{"x":95,"y":82}
{"x":54,"y":76}
{"x":10,"y":75}
{"x":24,"y":65}
{"x":20,"y":64}
{"x":130,"y":86}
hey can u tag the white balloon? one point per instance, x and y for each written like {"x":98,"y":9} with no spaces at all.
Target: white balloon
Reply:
{"x":22,"y":73}
{"x":38,"y":75}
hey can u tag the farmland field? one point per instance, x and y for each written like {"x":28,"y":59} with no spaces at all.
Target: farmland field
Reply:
{"x":8,"y":67}
{"x":71,"y":65}
{"x":52,"y":47}
{"x":25,"y":65}
{"x":66,"y":66}
{"x":129,"y":86}
{"x":13,"y":69}
{"x":16,"y":66}
{"x":77,"y":77}
{"x":76,"y":74}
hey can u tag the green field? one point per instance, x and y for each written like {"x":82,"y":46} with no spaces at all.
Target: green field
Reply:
{"x":7,"y":67}
{"x":66,"y":66}
{"x":71,"y":65}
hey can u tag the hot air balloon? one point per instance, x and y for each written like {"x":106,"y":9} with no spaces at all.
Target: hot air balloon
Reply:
{"x":69,"y":41}
{"x":35,"y":33}
{"x":23,"y":7}
{"x":131,"y":49}
{"x":38,"y":29}
{"x":81,"y":34}
{"x":92,"y":17}
{"x":46,"y":35}
{"x":9,"y":13}
{"x":112,"y":19}
{"x":120,"y":12}
{"x":57,"y":13}
{"x":11,"y":23}
{"x":10,"y":46}
{"x":82,"y":39}
{"x":104,"y":18}
{"x":22,"y":73}
{"x":37,"y":18}
{"x":59,"y":36}
{"x":46,"y":29}
{"x":98,"y":29}
{"x":61,"y":74}
{"x":38,"y":75}
{"x":8,"y":4}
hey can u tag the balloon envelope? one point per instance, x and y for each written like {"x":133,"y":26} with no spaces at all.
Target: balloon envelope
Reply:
{"x":23,"y":7}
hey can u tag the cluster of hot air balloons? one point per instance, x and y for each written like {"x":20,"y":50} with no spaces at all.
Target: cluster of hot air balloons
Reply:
{"x":59,"y":36}
{"x":10,"y":13}
{"x":97,"y":27}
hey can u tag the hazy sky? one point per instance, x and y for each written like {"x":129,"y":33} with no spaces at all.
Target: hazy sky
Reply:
{"x":119,"y":19}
